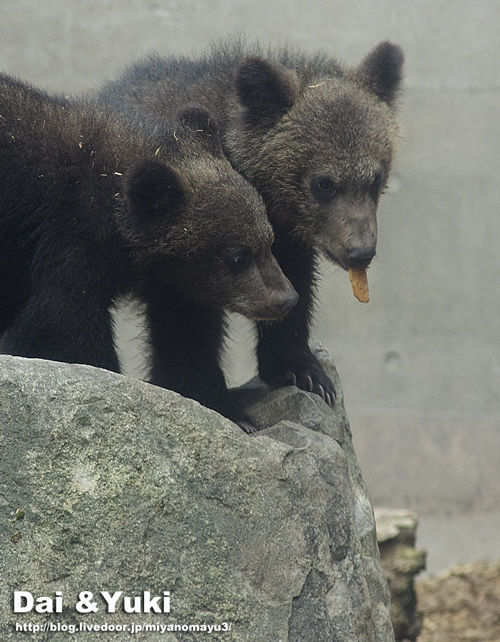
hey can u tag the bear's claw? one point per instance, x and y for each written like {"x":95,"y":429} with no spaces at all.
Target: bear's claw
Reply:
{"x":306,"y":382}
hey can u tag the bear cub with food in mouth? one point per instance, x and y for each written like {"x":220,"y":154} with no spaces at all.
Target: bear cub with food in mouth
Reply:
{"x":315,"y":138}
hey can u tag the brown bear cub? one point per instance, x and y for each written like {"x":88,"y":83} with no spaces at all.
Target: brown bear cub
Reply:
{"x":91,"y":209}
{"x":317,"y":141}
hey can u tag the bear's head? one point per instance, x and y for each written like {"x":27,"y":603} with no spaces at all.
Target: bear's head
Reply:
{"x":319,"y":148}
{"x":201,"y":227}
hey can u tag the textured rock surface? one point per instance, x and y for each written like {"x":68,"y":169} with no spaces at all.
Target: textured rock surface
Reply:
{"x":110,"y":484}
{"x":396,"y":534}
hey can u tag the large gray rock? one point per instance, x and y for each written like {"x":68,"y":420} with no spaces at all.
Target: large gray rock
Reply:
{"x":111,"y":484}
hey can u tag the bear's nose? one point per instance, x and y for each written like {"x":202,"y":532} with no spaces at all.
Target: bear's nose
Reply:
{"x":360,"y":257}
{"x":289,"y":302}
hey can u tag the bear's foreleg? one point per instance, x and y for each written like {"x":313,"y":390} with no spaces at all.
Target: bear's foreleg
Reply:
{"x":186,"y":344}
{"x":283,"y":351}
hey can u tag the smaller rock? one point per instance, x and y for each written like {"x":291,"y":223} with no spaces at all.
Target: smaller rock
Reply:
{"x":396,"y":534}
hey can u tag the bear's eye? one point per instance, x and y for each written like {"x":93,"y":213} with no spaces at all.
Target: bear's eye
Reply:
{"x":239,"y":258}
{"x":376,"y":185}
{"x":323,"y":188}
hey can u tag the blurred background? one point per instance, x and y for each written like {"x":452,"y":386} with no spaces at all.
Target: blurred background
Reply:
{"x":420,"y":364}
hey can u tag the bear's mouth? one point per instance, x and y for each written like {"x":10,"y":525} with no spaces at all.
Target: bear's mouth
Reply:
{"x":331,"y":256}
{"x":349,"y":262}
{"x":258,"y":316}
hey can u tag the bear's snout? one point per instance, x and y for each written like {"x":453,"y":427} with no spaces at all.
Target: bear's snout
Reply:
{"x":360,"y":257}
{"x":288,"y":303}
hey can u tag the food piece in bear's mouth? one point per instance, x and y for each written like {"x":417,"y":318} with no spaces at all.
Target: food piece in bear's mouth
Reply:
{"x":359,"y":283}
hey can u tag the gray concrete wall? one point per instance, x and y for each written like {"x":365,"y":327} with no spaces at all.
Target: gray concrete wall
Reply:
{"x":420,"y":363}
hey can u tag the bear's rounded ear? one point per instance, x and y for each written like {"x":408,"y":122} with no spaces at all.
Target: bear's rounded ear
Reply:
{"x":382,"y":71}
{"x":155,"y":192}
{"x":197,"y":119}
{"x":266,"y":90}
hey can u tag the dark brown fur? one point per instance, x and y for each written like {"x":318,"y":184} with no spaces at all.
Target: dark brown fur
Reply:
{"x":92,"y":209}
{"x":316,"y":139}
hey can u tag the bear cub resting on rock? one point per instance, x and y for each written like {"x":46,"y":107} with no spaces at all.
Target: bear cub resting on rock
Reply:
{"x":93,"y":209}
{"x":316,"y":139}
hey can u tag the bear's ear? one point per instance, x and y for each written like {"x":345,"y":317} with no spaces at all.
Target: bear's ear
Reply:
{"x":382,"y":71}
{"x":266,"y":90}
{"x":197,"y":119}
{"x":155,"y":192}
